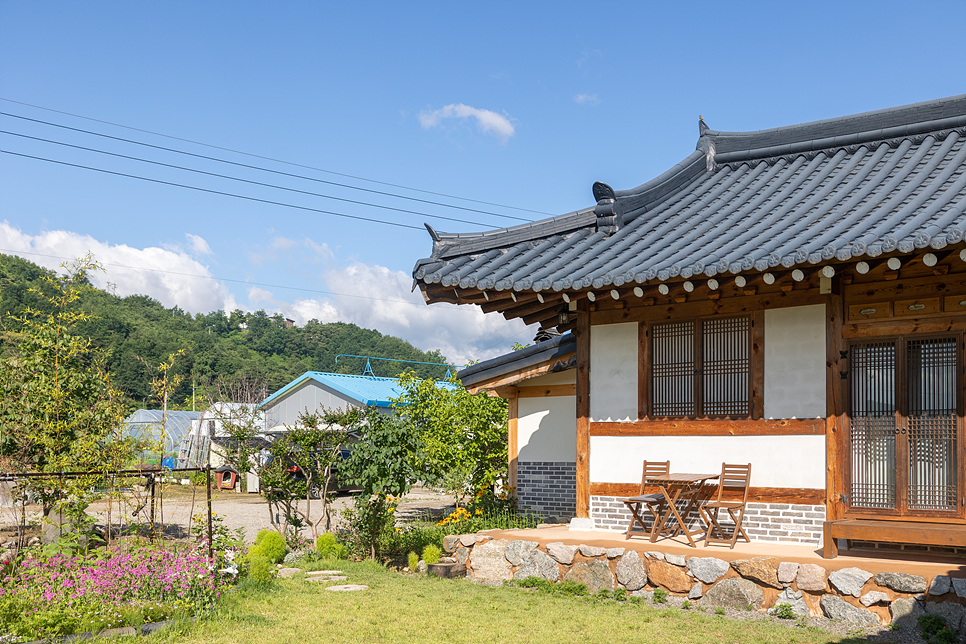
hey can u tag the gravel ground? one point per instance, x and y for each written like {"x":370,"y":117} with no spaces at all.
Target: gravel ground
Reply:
{"x":249,"y":512}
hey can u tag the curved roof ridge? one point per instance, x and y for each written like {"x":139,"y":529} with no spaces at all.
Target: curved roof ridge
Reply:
{"x":892,"y":122}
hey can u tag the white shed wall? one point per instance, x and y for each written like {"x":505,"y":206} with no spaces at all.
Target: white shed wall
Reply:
{"x":776,"y":461}
{"x":547,"y":429}
{"x":309,"y":395}
{"x":568,"y":377}
{"x":795,"y":362}
{"x":613,"y":372}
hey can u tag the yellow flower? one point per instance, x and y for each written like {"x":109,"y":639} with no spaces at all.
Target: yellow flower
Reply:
{"x":479,"y":511}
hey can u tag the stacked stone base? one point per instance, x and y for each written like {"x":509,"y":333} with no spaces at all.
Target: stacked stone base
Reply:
{"x":759,"y":583}
{"x":774,"y":522}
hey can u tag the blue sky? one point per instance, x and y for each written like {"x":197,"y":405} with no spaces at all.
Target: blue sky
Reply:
{"x":519,"y":104}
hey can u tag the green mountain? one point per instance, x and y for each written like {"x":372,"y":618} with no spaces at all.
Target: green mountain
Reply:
{"x":138,"y":327}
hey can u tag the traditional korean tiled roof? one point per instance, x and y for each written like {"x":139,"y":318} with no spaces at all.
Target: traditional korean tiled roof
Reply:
{"x":889,"y":181}
{"x":553,"y":352}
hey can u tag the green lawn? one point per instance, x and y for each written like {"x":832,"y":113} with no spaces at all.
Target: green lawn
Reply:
{"x":421,"y":609}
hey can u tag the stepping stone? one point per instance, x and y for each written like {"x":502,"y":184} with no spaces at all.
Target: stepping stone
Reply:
{"x":333,"y":578}
{"x":320,"y":573}
{"x":288,"y":572}
{"x":348,"y":588}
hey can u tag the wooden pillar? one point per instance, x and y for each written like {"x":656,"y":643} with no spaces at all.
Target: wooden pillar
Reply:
{"x":582,"y":331}
{"x":758,"y":365}
{"x":513,"y":442}
{"x":643,"y":366}
{"x":835,"y":483}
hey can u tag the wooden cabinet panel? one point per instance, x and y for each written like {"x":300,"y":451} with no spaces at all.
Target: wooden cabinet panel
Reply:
{"x":921,"y":306}
{"x":870,"y":311}
{"x":955,"y":304}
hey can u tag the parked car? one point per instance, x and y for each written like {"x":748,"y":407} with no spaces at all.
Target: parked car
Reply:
{"x":339,"y":483}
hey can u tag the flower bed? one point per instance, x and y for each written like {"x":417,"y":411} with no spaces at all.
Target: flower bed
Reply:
{"x":63,"y":594}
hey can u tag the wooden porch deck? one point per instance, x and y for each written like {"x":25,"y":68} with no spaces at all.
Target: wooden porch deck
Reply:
{"x":925,"y":564}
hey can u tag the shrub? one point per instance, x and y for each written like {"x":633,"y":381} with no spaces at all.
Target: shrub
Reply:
{"x":328,"y":547}
{"x":260,"y":571}
{"x":269,"y":544}
{"x":571,"y":587}
{"x":660,"y":596}
{"x":602,"y":594}
{"x":783,"y":611}
{"x":432,"y":554}
{"x":413,"y":561}
{"x":620,"y":594}
{"x":719,"y":611}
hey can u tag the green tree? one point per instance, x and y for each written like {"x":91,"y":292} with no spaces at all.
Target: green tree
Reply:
{"x":384,"y":464}
{"x":464,"y":436}
{"x":58,"y":409}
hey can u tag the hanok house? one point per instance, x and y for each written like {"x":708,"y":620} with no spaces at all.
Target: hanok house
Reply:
{"x":794,"y":298}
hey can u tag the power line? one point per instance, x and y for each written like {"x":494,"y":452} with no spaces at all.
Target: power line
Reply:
{"x":251,"y":181}
{"x":297,"y":165}
{"x":215,"y":192}
{"x":255,"y":167}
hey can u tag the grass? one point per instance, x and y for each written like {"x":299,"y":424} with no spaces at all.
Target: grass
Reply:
{"x":409,"y":608}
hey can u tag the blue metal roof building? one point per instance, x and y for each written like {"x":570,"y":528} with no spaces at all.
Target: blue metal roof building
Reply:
{"x":315,"y":389}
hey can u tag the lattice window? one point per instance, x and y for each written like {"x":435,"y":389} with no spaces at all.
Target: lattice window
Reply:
{"x":701,"y":368}
{"x":872,"y":427}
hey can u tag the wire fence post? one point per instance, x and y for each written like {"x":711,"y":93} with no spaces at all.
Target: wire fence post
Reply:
{"x":211,"y":554}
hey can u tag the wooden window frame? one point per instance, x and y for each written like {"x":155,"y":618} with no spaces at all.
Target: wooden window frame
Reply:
{"x":755,"y":368}
{"x":901,"y":512}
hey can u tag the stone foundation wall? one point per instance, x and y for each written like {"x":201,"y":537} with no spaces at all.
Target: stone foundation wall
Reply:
{"x":852,"y":595}
{"x":778,"y":522}
{"x":547,"y":488}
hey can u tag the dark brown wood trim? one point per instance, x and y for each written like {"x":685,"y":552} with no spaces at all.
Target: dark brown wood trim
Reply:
{"x":835,"y":432}
{"x":781,"y":427}
{"x":706,"y":308}
{"x":904,"y":326}
{"x":547,"y":391}
{"x":757,"y":364}
{"x":583,"y":409}
{"x":805,"y":496}
{"x":513,"y":441}
{"x":515,"y":377}
{"x":643,"y":360}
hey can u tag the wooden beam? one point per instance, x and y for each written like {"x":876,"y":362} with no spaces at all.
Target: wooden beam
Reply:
{"x":904,"y":326}
{"x":758,"y":364}
{"x":517,"y":376}
{"x":532,"y":306}
{"x":513,"y":414}
{"x":807,"y":496}
{"x":506,"y":301}
{"x":583,"y":409}
{"x":548,"y":312}
{"x":704,"y":307}
{"x":643,"y":361}
{"x":835,"y":433}
{"x":547,"y":391}
{"x":780,"y":427}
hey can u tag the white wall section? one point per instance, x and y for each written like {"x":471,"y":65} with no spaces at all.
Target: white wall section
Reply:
{"x":795,"y":362}
{"x":568,"y":377}
{"x":613,"y":372}
{"x":308,"y":395}
{"x":776,"y":461}
{"x":547,"y":429}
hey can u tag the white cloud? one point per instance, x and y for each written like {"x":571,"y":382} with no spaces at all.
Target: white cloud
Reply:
{"x":198,"y":244}
{"x":371,"y":296}
{"x":488,"y":122}
{"x":588,"y":99}
{"x":461,"y":333}
{"x":127,"y":269}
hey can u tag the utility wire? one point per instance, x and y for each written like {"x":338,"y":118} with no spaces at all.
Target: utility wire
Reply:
{"x":251,"y":181}
{"x":255,"y":167}
{"x":216,"y":192}
{"x":297,"y":165}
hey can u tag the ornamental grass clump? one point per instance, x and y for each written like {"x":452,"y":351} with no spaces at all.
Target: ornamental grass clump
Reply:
{"x":432,"y":554}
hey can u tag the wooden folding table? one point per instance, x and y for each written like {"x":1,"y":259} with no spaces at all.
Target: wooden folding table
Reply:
{"x":675,"y":487}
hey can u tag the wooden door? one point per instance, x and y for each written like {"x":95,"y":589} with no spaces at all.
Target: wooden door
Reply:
{"x":906,"y":428}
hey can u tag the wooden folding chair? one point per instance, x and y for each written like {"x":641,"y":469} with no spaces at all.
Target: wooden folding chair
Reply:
{"x":653,"y":502}
{"x":734,"y":478}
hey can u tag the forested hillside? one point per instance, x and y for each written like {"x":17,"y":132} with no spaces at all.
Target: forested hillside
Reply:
{"x":216,"y":345}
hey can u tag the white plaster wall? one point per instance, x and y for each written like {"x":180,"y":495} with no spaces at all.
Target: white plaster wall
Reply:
{"x":776,"y":461}
{"x":613,"y":372}
{"x":568,"y":377}
{"x":795,"y":362}
{"x":547,"y":429}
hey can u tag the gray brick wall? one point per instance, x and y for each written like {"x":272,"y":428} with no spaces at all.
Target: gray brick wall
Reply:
{"x":547,"y":488}
{"x":778,"y":522}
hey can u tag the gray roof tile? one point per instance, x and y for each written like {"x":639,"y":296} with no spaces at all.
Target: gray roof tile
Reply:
{"x":840,"y":188}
